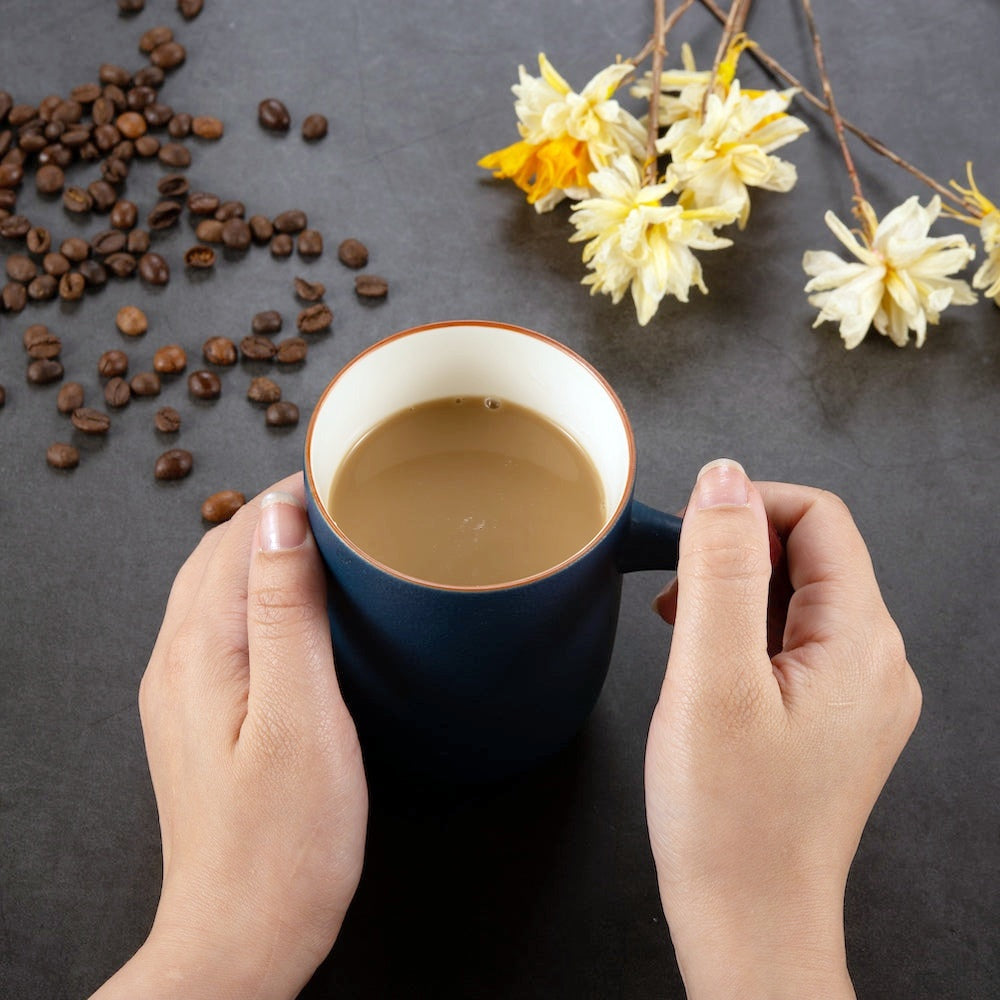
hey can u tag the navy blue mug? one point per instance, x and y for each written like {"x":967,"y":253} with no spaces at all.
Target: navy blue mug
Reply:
{"x":477,"y":683}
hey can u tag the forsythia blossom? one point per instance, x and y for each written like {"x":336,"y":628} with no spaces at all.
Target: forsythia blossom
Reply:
{"x":638,"y":244}
{"x":900,"y":280}
{"x":565,"y":135}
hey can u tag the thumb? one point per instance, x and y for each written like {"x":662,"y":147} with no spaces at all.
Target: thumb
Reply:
{"x":723,"y":573}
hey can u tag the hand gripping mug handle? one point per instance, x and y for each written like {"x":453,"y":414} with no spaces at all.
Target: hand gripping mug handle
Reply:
{"x":651,"y":540}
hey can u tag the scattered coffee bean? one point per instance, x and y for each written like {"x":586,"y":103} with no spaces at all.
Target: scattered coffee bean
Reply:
{"x":42,"y":288}
{"x":273,"y":115}
{"x":314,"y":319}
{"x":145,"y":384}
{"x":231,"y":209}
{"x":131,"y":6}
{"x":132,"y":321}
{"x":199,"y":257}
{"x":138,"y":241}
{"x":152,"y":38}
{"x":11,"y":174}
{"x":108,"y":241}
{"x":314,"y":127}
{"x":153,"y":269}
{"x":310,"y":243}
{"x":44,"y":370}
{"x":221,"y":506}
{"x":282,"y":414}
{"x":117,"y":392}
{"x":164,"y":215}
{"x":292,"y":221}
{"x":204,"y":385}
{"x":353,"y":253}
{"x":112,"y":363}
{"x":113,"y":75}
{"x":103,"y":194}
{"x":261,"y":229}
{"x":371,"y":286}
{"x":281,"y":245}
{"x":41,"y":343}
{"x":49,"y":179}
{"x":21,"y":267}
{"x":148,"y":146}
{"x":167,"y":420}
{"x":264,"y":390}
{"x":309,"y":291}
{"x":71,"y":286}
{"x":256,"y":348}
{"x":169,"y":55}
{"x":124,"y":214}
{"x":56,"y":264}
{"x":14,"y":227}
{"x":291,"y":351}
{"x":175,"y":463}
{"x":207,"y":127}
{"x":170,"y":360}
{"x":173,"y":154}
{"x":202,"y":203}
{"x":3,"y":396}
{"x":14,"y":297}
{"x":236,"y":234}
{"x":173,"y":186}
{"x":90,"y":421}
{"x":77,"y":200}
{"x":131,"y":124}
{"x":62,"y":456}
{"x":266,"y":322}
{"x":209,"y":231}
{"x":179,"y":127}
{"x":95,"y":275}
{"x":70,"y":397}
{"x":38,"y":240}
{"x":121,"y":265}
{"x":219,"y":351}
{"x":189,"y":9}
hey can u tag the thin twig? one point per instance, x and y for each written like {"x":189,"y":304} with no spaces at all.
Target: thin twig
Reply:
{"x":668,"y":25}
{"x":734,"y":22}
{"x":653,"y":125}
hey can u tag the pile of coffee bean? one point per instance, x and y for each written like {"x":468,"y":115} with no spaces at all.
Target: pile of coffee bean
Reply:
{"x":114,"y":124}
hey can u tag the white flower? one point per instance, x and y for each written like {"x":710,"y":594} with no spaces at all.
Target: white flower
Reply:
{"x":900,"y":280}
{"x":718,"y":158}
{"x":638,"y":244}
{"x":987,"y":278}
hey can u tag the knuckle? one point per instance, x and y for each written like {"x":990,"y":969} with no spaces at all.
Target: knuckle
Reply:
{"x":278,"y":611}
{"x":727,"y":559}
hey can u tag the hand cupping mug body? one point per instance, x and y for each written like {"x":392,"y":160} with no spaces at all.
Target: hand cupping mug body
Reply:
{"x":470,"y":488}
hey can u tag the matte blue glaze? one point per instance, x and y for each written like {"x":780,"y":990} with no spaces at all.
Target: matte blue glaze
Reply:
{"x":474,"y":685}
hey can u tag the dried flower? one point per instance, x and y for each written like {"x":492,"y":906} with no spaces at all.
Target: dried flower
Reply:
{"x":565,"y":135}
{"x":638,"y":244}
{"x":986,"y":216}
{"x":900,"y":282}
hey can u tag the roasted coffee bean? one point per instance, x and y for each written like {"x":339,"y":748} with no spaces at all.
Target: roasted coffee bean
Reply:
{"x":113,"y":171}
{"x":309,"y":291}
{"x":55,"y":264}
{"x":70,"y":397}
{"x":221,"y":506}
{"x":170,"y":360}
{"x":71,"y":286}
{"x":147,"y":146}
{"x":173,"y":186}
{"x":173,"y":154}
{"x":314,"y":319}
{"x":164,"y":215}
{"x":153,"y":269}
{"x":292,"y":221}
{"x":103,"y":111}
{"x":75,"y":139}
{"x":76,"y":199}
{"x":49,"y":179}
{"x":155,"y":36}
{"x":167,"y":420}
{"x":62,"y":456}
{"x":219,"y":351}
{"x":11,"y":174}
{"x":145,"y":384}
{"x":131,"y":124}
{"x":86,"y":93}
{"x":102,"y":194}
{"x":124,"y":214}
{"x":8,"y":199}
{"x":263,"y":390}
{"x":56,"y":155}
{"x":117,"y":392}
{"x":6,"y":138}
{"x":261,"y":228}
{"x":209,"y":231}
{"x":149,"y":76}
{"x":291,"y":351}
{"x":310,"y":242}
{"x":121,"y":265}
{"x":283,"y":414}
{"x":108,"y":241}
{"x":236,"y":234}
{"x":202,"y":203}
{"x":266,"y":322}
{"x":38,"y":240}
{"x":189,"y":8}
{"x":6,"y":103}
{"x":42,"y":288}
{"x":157,"y":114}
{"x":175,"y":463}
{"x":21,"y":114}
{"x":14,"y":296}
{"x":69,"y":112}
{"x":21,"y":267}
{"x":314,"y":127}
{"x":207,"y":127}
{"x":44,"y":370}
{"x":75,"y":249}
{"x":169,"y":55}
{"x":199,"y":257}
{"x":132,"y":321}
{"x":3,"y":396}
{"x":353,"y":253}
{"x":32,"y":140}
{"x":14,"y":227}
{"x":273,"y":115}
{"x":106,"y":137}
{"x":112,"y":363}
{"x":371,"y":286}
{"x":257,"y":348}
{"x":230,"y":210}
{"x":90,"y":421}
{"x":179,"y":127}
{"x":138,"y":241}
{"x":139,"y":98}
{"x":131,"y":6}
{"x":204,"y":385}
{"x":40,"y":342}
{"x":281,"y":245}
{"x":94,"y":274}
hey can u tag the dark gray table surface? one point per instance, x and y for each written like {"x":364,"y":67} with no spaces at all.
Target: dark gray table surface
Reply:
{"x":544,"y":887}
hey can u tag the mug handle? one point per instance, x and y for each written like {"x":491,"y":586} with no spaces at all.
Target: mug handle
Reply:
{"x":650,"y":541}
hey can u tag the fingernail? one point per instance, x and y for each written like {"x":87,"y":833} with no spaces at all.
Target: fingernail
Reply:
{"x":282,"y":522}
{"x":722,"y":483}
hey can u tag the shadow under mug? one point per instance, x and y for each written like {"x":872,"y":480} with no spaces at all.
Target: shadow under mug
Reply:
{"x":477,"y":683}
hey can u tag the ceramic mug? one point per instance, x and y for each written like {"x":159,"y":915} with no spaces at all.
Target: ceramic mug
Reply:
{"x":476,"y":683}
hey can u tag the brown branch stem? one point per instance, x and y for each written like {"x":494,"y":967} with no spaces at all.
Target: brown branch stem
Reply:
{"x":733,"y":23}
{"x":661,"y":37}
{"x":653,"y":125}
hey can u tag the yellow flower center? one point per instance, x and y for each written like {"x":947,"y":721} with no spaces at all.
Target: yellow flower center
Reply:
{"x":556,"y":164}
